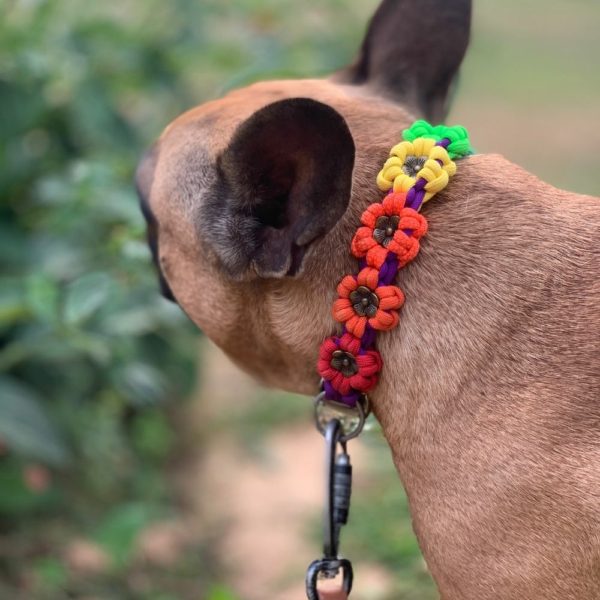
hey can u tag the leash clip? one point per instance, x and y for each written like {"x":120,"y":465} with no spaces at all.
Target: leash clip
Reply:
{"x":338,"y":492}
{"x":322,"y":568}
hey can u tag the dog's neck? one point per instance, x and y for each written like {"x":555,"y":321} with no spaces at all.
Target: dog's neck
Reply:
{"x":462,"y":294}
{"x":471,"y":389}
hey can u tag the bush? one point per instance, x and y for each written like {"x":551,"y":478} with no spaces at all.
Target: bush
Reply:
{"x":90,"y":356}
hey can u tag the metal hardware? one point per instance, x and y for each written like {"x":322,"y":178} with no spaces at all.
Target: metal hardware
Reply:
{"x":364,"y":301}
{"x":338,"y":423}
{"x":321,"y":569}
{"x":344,"y":362}
{"x":351,"y":418}
{"x":338,"y":487}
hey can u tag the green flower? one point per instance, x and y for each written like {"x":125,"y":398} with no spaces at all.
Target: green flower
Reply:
{"x":459,"y":137}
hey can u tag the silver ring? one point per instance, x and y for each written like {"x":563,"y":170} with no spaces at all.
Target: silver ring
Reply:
{"x":352,"y":418}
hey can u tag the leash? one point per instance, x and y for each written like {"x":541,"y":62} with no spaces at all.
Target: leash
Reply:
{"x":368,"y":302}
{"x":338,"y":423}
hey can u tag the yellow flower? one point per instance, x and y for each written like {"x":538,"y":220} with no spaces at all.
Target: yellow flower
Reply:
{"x":419,"y":159}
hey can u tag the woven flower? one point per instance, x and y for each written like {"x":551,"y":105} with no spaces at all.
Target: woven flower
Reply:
{"x":458,"y":137}
{"x":410,"y":161}
{"x":384,"y":230}
{"x":362,"y":301}
{"x":346,"y":366}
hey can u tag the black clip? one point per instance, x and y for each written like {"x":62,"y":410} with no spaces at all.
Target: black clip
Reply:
{"x":338,"y":491}
{"x":329,"y":567}
{"x":338,"y":486}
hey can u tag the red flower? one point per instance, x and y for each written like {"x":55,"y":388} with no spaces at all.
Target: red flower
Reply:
{"x":383,"y":231}
{"x":347,"y":367}
{"x":362,"y":302}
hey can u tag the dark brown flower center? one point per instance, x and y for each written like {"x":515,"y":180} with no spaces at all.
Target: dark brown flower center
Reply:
{"x":364,"y":301}
{"x":385,"y":227}
{"x":344,"y":362}
{"x":413,"y":164}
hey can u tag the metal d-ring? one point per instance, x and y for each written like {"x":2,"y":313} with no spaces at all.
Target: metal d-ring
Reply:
{"x":352,"y":418}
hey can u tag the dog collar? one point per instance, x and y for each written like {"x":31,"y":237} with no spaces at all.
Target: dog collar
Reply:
{"x":368,"y":302}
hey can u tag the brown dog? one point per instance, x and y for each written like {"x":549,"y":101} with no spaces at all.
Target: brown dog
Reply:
{"x":489,"y":397}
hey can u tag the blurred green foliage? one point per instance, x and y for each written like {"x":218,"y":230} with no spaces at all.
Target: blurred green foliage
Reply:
{"x":91,"y":358}
{"x":88,"y":347}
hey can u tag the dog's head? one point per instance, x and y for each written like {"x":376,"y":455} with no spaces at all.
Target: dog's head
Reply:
{"x":251,"y":200}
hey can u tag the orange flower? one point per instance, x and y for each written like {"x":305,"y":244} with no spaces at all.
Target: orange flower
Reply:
{"x":383,"y":231}
{"x":361,"y":301}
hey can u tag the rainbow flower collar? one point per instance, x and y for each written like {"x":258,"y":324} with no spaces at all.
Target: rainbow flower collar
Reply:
{"x":418,"y":168}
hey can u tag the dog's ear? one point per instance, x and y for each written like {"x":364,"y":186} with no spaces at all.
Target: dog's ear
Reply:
{"x":284,"y":181}
{"x":412,"y":52}
{"x":144,"y":176}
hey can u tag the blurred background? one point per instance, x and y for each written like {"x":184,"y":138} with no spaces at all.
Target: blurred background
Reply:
{"x":135,"y":461}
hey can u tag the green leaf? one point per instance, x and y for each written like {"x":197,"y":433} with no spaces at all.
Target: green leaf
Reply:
{"x":119,"y":530}
{"x":151,"y":435}
{"x":85,"y":296}
{"x":52,"y":573}
{"x":142,"y":383}
{"x":14,"y":250}
{"x":25,"y":426}
{"x":94,"y":346}
{"x":132,"y":321}
{"x":42,"y":296}
{"x":220,"y":592}
{"x":12,"y":306}
{"x":16,"y":499}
